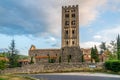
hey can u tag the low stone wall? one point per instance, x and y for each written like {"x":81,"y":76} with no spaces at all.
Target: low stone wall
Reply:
{"x":51,"y":67}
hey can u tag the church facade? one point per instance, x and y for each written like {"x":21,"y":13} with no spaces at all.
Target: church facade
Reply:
{"x":70,"y":50}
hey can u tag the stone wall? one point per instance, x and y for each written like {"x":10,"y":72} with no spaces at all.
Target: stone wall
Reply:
{"x":56,"y":67}
{"x":44,"y":52}
{"x":41,"y":55}
{"x":73,"y":54}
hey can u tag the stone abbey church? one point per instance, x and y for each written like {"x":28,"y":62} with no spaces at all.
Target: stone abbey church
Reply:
{"x":70,"y":50}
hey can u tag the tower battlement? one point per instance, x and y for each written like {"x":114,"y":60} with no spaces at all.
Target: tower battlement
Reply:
{"x":70,"y":6}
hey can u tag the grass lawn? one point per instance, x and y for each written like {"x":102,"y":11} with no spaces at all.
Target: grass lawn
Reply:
{"x":14,"y":77}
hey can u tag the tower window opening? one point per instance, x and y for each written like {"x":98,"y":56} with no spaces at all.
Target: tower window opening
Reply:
{"x":66,"y":15}
{"x":66,"y":10}
{"x":66,"y":31}
{"x":70,"y":56}
{"x":66,"y":42}
{"x":73,"y":42}
{"x":73,"y":15}
{"x":73,"y":32}
{"x":73,"y":10}
{"x":73,"y":22}
{"x":66,"y":22}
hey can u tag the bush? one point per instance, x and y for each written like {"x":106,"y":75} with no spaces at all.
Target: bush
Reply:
{"x":113,"y":65}
{"x":3,"y":65}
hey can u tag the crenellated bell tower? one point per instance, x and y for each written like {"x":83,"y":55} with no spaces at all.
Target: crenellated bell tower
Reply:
{"x":70,"y":51}
{"x":70,"y":26}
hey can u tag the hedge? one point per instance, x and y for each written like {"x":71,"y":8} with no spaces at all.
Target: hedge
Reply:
{"x":113,"y":65}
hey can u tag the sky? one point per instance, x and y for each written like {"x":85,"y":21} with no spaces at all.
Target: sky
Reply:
{"x":38,"y":22}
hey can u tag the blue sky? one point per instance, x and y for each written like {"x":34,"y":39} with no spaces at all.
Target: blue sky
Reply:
{"x":38,"y":22}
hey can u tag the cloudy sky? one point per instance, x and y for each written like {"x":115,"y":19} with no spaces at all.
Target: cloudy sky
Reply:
{"x":38,"y":22}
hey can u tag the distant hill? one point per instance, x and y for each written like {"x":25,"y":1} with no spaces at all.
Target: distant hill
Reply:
{"x":3,"y":50}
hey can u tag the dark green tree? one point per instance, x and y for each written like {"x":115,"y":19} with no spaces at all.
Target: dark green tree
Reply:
{"x":103,"y":47}
{"x":13,"y":55}
{"x":94,"y":54}
{"x":118,"y":47}
{"x":3,"y":64}
{"x":82,"y":58}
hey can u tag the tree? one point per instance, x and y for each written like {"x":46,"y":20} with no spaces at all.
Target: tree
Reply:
{"x":83,"y":58}
{"x":94,"y":54}
{"x":3,"y":64}
{"x":13,"y":56}
{"x":113,"y":46}
{"x":118,"y":47}
{"x":103,"y":47}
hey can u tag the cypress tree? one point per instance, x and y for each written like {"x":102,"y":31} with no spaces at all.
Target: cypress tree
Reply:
{"x":13,"y":56}
{"x":94,"y":54}
{"x":118,"y":47}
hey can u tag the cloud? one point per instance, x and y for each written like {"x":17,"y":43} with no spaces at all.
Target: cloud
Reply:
{"x":56,"y":45}
{"x":3,"y":50}
{"x":42,"y":16}
{"x":109,"y":34}
{"x":50,"y":39}
{"x":89,"y":44}
{"x":97,"y":37}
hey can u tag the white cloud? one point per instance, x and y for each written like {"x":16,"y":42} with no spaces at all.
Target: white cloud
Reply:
{"x":97,"y":37}
{"x":109,"y":34}
{"x":50,"y":40}
{"x":89,"y":44}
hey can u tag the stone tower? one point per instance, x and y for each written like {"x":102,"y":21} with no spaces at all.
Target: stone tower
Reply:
{"x":70,"y":51}
{"x":70,"y":26}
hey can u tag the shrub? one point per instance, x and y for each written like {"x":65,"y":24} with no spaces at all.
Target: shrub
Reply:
{"x":3,"y":65}
{"x":113,"y":65}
